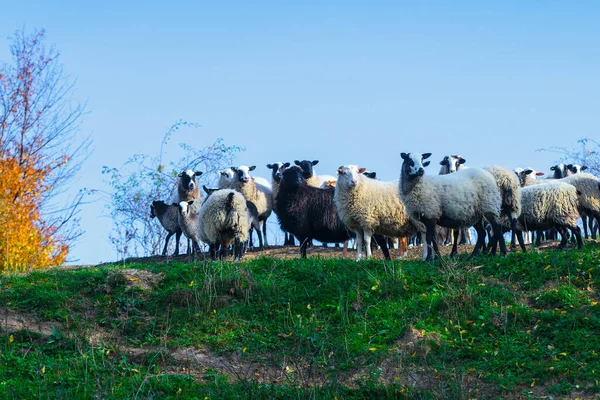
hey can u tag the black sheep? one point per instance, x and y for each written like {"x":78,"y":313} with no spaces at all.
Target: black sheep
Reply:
{"x":309,"y":213}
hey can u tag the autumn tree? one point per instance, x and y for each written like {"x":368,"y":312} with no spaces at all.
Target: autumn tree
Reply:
{"x":39,"y":156}
{"x":147,"y":177}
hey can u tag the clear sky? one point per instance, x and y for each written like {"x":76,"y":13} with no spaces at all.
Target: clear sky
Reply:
{"x":343,"y":82}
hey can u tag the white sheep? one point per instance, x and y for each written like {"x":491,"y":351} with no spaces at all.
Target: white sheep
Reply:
{"x":510,"y":191}
{"x":224,"y":220}
{"x":449,"y":165}
{"x":259,"y":194}
{"x":457,"y":200}
{"x":369,"y":206}
{"x":549,"y":205}
{"x":226,"y":178}
{"x":168,"y":217}
{"x":589,"y":199}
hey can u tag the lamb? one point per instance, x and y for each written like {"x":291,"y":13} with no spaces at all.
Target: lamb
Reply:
{"x":187,"y":187}
{"x":188,"y":220}
{"x":224,"y":220}
{"x":549,"y":205}
{"x":259,"y":194}
{"x":456,"y":200}
{"x":276,"y":169}
{"x":253,"y":222}
{"x":167,"y":216}
{"x":308,"y":212}
{"x":369,"y":206}
{"x":449,"y":165}
{"x":510,"y":191}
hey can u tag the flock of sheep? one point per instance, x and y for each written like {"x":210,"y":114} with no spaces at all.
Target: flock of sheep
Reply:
{"x":355,"y":204}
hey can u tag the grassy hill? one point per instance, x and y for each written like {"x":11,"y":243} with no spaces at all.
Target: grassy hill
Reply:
{"x":523,"y":326}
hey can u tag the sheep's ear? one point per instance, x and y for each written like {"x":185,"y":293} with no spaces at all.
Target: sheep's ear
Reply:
{"x":270,"y":166}
{"x":198,"y":173}
{"x":296,"y":162}
{"x":584,"y":168}
{"x":444,"y":161}
{"x":315,"y":162}
{"x":190,"y":202}
{"x":539,"y":173}
{"x":234,"y":169}
{"x":252,"y":168}
{"x":425,"y":156}
{"x":462,"y":160}
{"x":426,"y":163}
{"x":404,"y":156}
{"x":339,"y":170}
{"x":527,"y":171}
{"x":361,"y":170}
{"x":286,"y":165}
{"x":205,"y":189}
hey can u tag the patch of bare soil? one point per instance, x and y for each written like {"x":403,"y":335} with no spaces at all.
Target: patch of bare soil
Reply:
{"x":12,"y":321}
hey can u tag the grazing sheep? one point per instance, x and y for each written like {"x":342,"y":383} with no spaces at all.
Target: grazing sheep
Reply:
{"x":456,"y":200}
{"x":189,"y":222}
{"x":449,"y":165}
{"x":223,"y":221}
{"x":369,"y":206}
{"x":549,"y":205}
{"x":259,"y":194}
{"x":253,"y":222}
{"x":510,"y":191}
{"x":187,"y":187}
{"x":276,"y":169}
{"x":167,"y":216}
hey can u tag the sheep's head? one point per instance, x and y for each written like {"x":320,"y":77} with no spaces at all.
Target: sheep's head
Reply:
{"x":152,"y":214}
{"x":187,"y":179}
{"x":559,"y":171}
{"x":348,"y":175}
{"x":184,"y":207}
{"x":292,"y":177}
{"x":413,"y":164}
{"x":276,"y":170}
{"x":528,"y":173}
{"x":227,"y":173}
{"x":452,"y":163}
{"x":243,"y":172}
{"x":307,"y":167}
{"x":573,"y":169}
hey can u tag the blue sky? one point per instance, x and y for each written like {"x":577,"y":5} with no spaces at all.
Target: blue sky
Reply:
{"x":343,"y":82}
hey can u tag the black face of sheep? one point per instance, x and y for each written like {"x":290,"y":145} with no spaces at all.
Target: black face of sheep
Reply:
{"x":292,"y":177}
{"x":276,"y":170}
{"x":559,"y":171}
{"x":575,"y":169}
{"x":307,"y":167}
{"x":188,"y":179}
{"x":413,"y":164}
{"x":372,"y":175}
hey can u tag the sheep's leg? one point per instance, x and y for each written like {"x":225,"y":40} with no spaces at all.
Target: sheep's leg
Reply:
{"x":447,"y":237}
{"x":497,"y":228}
{"x":519,"y":235}
{"x":164,"y":252}
{"x":382,"y":241}
{"x":577,"y":232}
{"x":260,"y":238}
{"x":463,"y":236}
{"x":177,"y":238}
{"x":213,"y":251}
{"x":538,"y":239}
{"x":367,"y":240}
{"x":303,"y":246}
{"x":359,"y":245}
{"x":264,"y":227}
{"x":431,"y":243}
{"x":455,"y":233}
{"x":584,"y":220}
{"x":403,"y":245}
{"x":481,"y":232}
{"x":345,"y":249}
{"x":563,"y":237}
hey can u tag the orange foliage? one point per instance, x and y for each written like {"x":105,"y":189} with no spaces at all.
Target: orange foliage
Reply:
{"x":25,"y":243}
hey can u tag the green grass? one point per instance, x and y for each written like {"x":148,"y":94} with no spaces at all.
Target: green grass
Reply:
{"x":525,"y":325}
